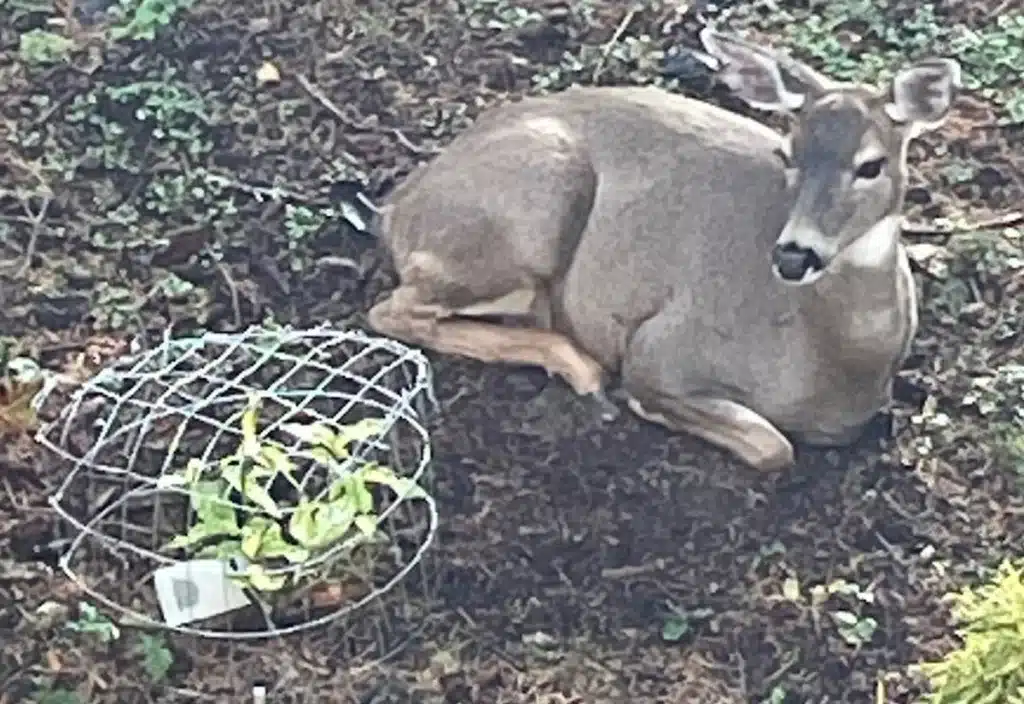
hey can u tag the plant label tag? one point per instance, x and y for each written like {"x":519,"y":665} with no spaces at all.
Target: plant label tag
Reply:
{"x":197,"y":589}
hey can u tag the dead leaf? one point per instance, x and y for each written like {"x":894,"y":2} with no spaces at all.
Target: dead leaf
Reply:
{"x":83,"y":365}
{"x":17,"y":416}
{"x":333,"y":595}
{"x":268,"y":73}
{"x":924,"y":251}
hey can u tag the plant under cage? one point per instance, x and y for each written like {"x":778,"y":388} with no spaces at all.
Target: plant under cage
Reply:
{"x":255,"y":484}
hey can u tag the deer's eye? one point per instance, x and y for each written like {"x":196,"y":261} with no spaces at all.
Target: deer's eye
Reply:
{"x":870,"y":169}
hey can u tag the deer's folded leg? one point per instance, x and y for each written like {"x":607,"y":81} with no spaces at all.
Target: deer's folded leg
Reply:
{"x":727,"y":424}
{"x":405,"y":316}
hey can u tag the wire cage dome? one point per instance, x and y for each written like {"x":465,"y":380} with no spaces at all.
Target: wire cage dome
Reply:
{"x":250,"y":485}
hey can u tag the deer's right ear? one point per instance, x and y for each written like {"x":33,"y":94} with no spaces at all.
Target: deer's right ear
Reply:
{"x":756,"y":74}
{"x":923,"y":94}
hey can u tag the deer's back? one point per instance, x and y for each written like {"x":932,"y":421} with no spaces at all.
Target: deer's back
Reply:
{"x":687,"y":201}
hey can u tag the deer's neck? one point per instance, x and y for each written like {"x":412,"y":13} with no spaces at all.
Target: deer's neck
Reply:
{"x":866,"y":309}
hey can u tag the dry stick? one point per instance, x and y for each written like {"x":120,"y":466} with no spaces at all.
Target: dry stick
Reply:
{"x":11,"y":496}
{"x":232,"y":288}
{"x":273,"y":193}
{"x":24,"y":220}
{"x":404,"y":141}
{"x":1001,"y":8}
{"x":319,"y":96}
{"x":610,"y":44}
{"x":630,"y":571}
{"x":1005,"y":220}
{"x":33,"y":238}
{"x":323,"y":99}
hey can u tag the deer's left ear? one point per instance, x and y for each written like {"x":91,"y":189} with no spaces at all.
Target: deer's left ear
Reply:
{"x":763,"y":78}
{"x":922,"y":94}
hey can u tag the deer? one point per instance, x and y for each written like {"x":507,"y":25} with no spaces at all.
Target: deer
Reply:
{"x":747,"y":287}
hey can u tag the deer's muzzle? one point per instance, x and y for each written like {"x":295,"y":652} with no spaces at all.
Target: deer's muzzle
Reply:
{"x":796,"y":264}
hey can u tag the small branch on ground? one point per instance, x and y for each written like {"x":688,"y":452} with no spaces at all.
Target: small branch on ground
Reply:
{"x":606,"y":50}
{"x":405,"y":142}
{"x":260,"y":193}
{"x":33,"y":238}
{"x":1010,"y":219}
{"x":236,"y":308}
{"x":319,"y":96}
{"x":630,"y":571}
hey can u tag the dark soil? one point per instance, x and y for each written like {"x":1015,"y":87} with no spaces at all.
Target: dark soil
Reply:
{"x":564,"y":546}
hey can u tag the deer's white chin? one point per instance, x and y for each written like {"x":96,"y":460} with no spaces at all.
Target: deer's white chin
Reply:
{"x":810,"y":276}
{"x":873,"y":249}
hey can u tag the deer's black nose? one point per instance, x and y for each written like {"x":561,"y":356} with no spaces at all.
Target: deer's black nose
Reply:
{"x":793,"y":261}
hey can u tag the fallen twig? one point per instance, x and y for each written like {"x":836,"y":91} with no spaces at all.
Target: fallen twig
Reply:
{"x":1000,"y":9}
{"x":606,"y":50}
{"x":630,"y":571}
{"x":33,"y":237}
{"x":321,"y":98}
{"x":278,"y":194}
{"x":405,"y":142}
{"x":935,"y":228}
{"x":236,"y":308}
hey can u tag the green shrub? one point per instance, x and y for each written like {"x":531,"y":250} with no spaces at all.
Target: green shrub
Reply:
{"x":41,"y":47}
{"x":988,"y":668}
{"x":142,"y":19}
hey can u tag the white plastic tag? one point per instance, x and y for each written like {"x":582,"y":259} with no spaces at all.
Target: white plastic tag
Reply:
{"x":194,"y":590}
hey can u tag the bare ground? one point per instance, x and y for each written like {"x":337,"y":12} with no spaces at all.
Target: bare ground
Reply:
{"x":563,"y":544}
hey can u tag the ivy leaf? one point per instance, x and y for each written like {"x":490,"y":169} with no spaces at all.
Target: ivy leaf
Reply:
{"x":212,"y":509}
{"x":403,"y":486}
{"x":252,"y":536}
{"x":250,"y":446}
{"x":222,"y":550}
{"x":274,"y":545}
{"x":367,"y":525}
{"x":275,"y":459}
{"x":674,"y":628}
{"x":315,"y":525}
{"x":326,"y":445}
{"x":156,"y":656}
{"x":337,"y":444}
{"x":357,"y":432}
{"x":333,"y":521}
{"x":302,"y":524}
{"x":844,"y":618}
{"x":337,"y":489}
{"x":260,"y":580}
{"x":250,"y":489}
{"x":263,"y":538}
{"x":215,"y":516}
{"x":360,"y":495}
{"x":322,"y":455}
{"x":196,"y":534}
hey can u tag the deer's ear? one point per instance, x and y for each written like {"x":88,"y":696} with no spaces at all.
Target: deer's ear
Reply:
{"x":922,"y":95}
{"x":760,"y":77}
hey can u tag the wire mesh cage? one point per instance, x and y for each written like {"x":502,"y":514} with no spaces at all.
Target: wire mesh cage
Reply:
{"x":251,"y":485}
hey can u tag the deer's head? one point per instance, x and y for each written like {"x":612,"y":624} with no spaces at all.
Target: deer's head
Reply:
{"x":845,"y":154}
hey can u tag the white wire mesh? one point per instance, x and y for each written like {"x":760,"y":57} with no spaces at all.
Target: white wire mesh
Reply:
{"x":145,"y":416}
